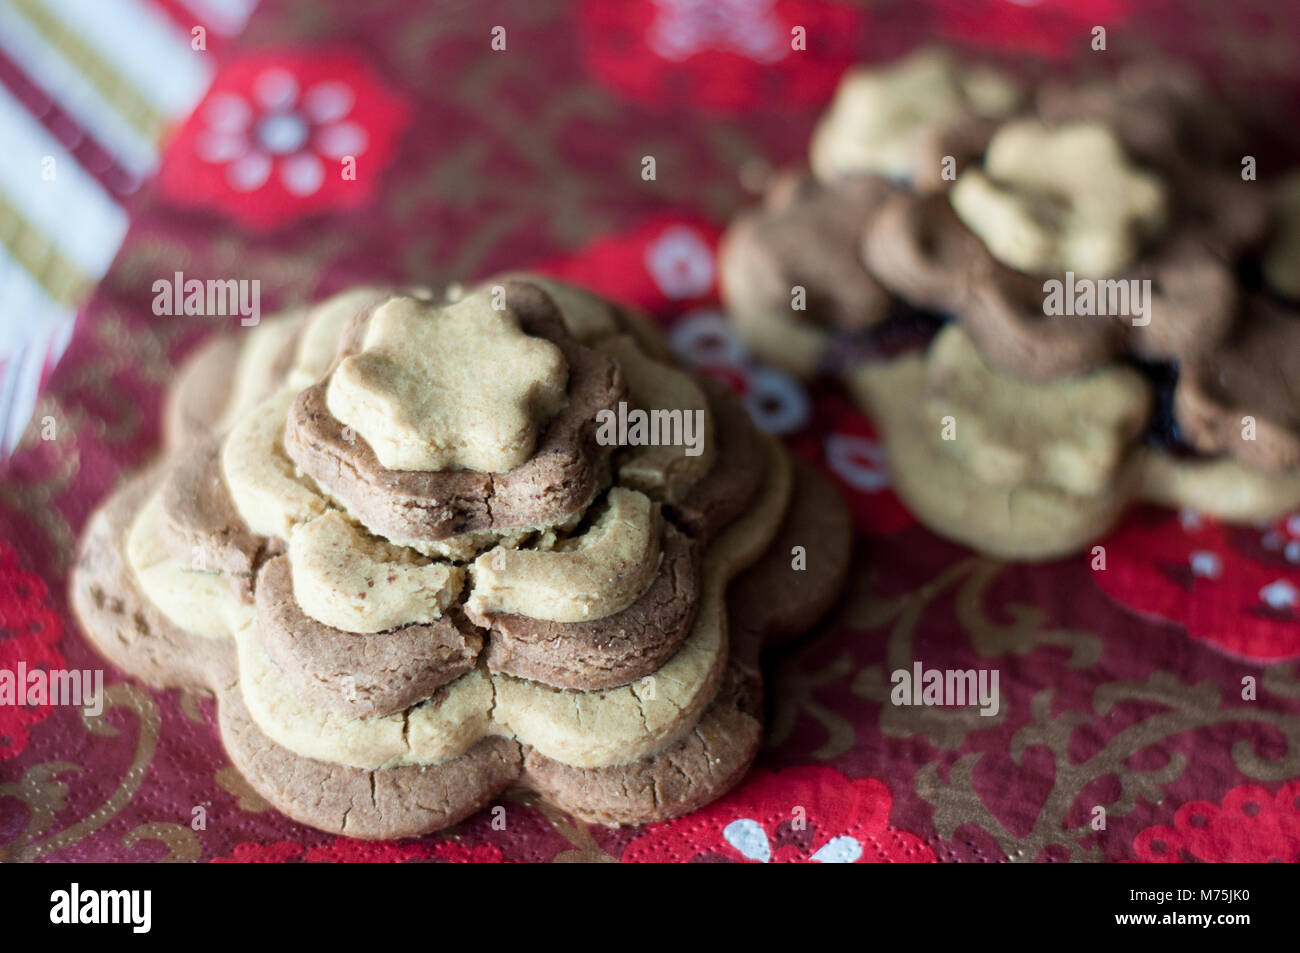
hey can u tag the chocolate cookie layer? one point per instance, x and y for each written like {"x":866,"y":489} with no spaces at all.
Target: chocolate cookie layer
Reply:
{"x":121,"y":623}
{"x":373,"y":805}
{"x":201,"y":527}
{"x":737,"y":473}
{"x":919,"y":248}
{"x":604,"y":653}
{"x":1251,"y":375}
{"x":806,"y":236}
{"x":356,"y":674}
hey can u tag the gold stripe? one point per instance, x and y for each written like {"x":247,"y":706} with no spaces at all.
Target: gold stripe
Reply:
{"x":62,"y":279}
{"x":138,"y":112}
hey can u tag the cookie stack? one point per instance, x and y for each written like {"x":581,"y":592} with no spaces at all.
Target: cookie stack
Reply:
{"x":1053,"y":301}
{"x":392,"y":535}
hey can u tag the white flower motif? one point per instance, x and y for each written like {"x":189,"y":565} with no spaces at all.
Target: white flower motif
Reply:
{"x":1280,"y":594}
{"x":775,"y":401}
{"x":773,"y":398}
{"x":706,"y":338}
{"x":280,"y":129}
{"x":839,"y":850}
{"x":748,"y":837}
{"x":683,"y":28}
{"x":1190,"y":520}
{"x":857,"y":461}
{"x":1206,"y":564}
{"x":681,"y":263}
{"x":1286,"y":539}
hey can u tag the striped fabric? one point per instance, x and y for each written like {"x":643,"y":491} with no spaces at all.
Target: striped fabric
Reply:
{"x":88,"y":92}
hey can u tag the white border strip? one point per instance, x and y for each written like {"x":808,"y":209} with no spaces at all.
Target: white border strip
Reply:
{"x":65,"y":84}
{"x":147,"y":49}
{"x":74,"y":211}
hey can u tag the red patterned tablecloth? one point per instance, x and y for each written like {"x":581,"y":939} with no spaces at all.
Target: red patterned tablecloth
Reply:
{"x":1164,"y":690}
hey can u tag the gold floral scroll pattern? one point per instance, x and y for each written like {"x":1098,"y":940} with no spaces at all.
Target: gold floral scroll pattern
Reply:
{"x":1189,"y":707}
{"x":866,"y":610}
{"x":182,"y":845}
{"x":44,"y":792}
{"x":583,"y":850}
{"x":956,"y":800}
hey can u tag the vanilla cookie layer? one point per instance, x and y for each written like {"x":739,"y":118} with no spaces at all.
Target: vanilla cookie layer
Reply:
{"x":265,"y":354}
{"x":1220,"y":487}
{"x":463,"y":386}
{"x":592,"y":576}
{"x":664,"y":470}
{"x":270,"y":494}
{"x":319,"y":340}
{"x":202,"y":603}
{"x":350,"y":581}
{"x":442,"y":727}
{"x":1029,"y":521}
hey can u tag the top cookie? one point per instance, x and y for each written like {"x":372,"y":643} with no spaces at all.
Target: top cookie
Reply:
{"x":539,"y":423}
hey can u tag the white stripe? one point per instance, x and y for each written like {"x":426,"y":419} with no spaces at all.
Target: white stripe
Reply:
{"x":63,"y":83}
{"x":143,"y":47}
{"x":10,"y":371}
{"x":74,"y":211}
{"x":26,"y":390}
{"x":21,"y":297}
{"x":32,"y":327}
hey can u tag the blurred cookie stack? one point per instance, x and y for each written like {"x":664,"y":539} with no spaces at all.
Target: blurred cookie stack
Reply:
{"x":1053,"y":301}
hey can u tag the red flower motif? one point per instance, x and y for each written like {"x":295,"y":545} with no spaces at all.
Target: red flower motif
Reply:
{"x":1236,"y":588}
{"x":664,"y":264}
{"x":345,"y":850}
{"x":29,"y":633}
{"x":1250,"y":827}
{"x":798,"y":815}
{"x":725,"y":55}
{"x":272,"y":139}
{"x":1048,"y":27}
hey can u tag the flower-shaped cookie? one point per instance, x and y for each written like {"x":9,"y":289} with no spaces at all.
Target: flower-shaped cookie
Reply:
{"x":1060,"y":199}
{"x":1073,"y":434}
{"x":900,"y":121}
{"x":1169,"y":121}
{"x":418,"y":395}
{"x":583,"y":620}
{"x":982,"y":253}
{"x":1023,"y":471}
